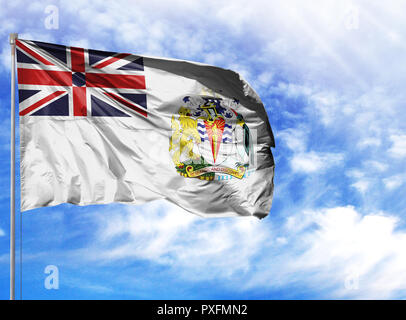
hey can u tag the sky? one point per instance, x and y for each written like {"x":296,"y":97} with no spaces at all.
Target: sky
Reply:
{"x":331,"y":75}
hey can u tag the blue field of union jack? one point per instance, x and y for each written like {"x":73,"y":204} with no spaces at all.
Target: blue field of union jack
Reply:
{"x":57,"y":80}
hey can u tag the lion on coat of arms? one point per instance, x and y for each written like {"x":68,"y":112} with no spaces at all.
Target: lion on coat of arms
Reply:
{"x":184,"y":132}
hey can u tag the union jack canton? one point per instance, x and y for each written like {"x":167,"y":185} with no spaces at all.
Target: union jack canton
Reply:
{"x":57,"y":80}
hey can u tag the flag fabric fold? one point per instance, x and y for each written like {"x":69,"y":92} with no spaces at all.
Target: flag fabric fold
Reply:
{"x":98,"y":127}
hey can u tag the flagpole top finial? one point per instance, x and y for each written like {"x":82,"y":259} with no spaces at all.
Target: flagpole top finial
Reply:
{"x":13,"y":37}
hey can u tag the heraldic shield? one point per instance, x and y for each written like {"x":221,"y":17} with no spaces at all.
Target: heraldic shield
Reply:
{"x":209,"y":138}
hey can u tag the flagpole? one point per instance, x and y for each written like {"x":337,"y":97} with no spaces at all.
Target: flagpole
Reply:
{"x":13,"y":37}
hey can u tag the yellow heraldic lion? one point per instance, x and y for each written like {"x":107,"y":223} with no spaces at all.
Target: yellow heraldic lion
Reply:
{"x":184,"y":132}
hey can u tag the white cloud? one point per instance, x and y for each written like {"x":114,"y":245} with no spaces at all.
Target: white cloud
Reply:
{"x":367,"y":175}
{"x":329,"y":246}
{"x":2,"y":233}
{"x":376,"y":165}
{"x":313,"y":162}
{"x":165,"y":234}
{"x":369,"y":142}
{"x":327,"y":104}
{"x":316,"y":249}
{"x":398,"y":148}
{"x":361,"y":185}
{"x":214,"y":58}
{"x":294,"y":138}
{"x":394,"y":182}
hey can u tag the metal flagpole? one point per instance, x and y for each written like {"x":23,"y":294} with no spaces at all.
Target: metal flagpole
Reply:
{"x":13,"y":37}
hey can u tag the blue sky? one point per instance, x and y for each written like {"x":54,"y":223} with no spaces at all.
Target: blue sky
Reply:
{"x":331,"y":75}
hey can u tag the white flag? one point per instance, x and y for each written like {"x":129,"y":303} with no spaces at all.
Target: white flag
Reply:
{"x":99,"y":127}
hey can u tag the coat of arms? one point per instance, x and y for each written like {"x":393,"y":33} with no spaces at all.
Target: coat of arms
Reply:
{"x":210,"y":137}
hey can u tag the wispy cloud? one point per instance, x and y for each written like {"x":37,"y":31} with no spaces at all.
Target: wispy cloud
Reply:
{"x":327,"y":247}
{"x":395,"y":181}
{"x":313,"y":162}
{"x":398,"y":148}
{"x":167,"y":235}
{"x":324,"y":249}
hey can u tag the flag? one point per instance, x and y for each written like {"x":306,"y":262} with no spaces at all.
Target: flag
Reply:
{"x":98,"y":127}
